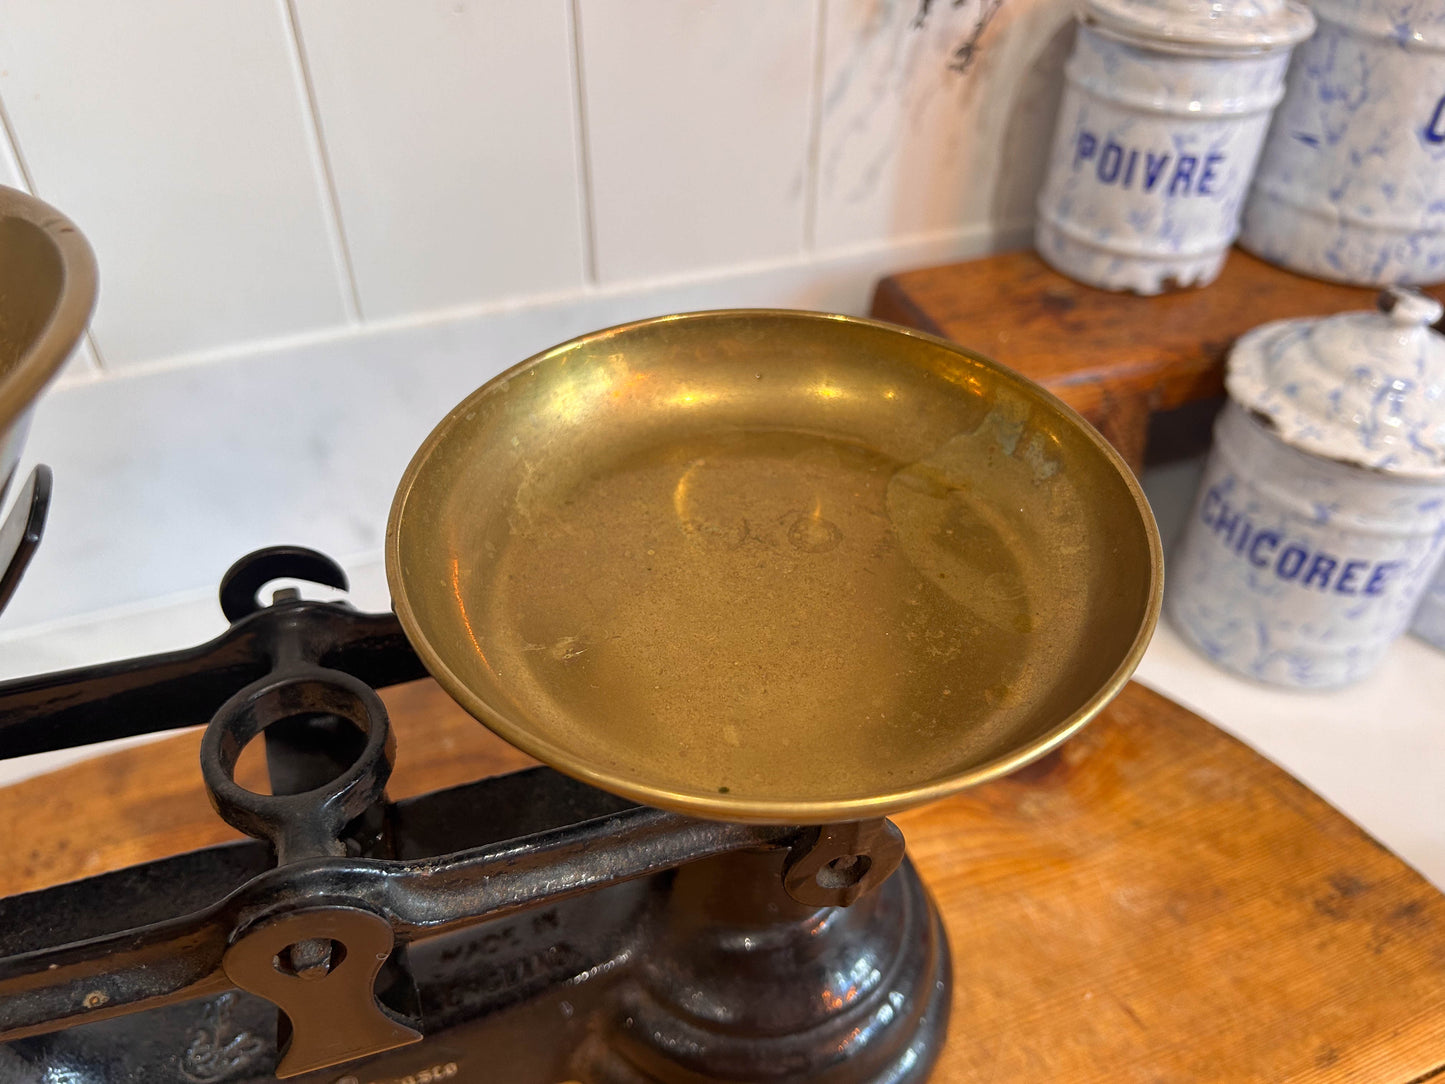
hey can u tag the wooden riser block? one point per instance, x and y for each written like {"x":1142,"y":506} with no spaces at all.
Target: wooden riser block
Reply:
{"x":1115,"y":358}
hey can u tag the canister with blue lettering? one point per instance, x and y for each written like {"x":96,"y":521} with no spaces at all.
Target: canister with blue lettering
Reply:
{"x":1320,"y":519}
{"x":1164,"y":112}
{"x":1351,"y":185}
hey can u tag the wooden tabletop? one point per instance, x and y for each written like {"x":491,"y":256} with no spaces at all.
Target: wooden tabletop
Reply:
{"x":1152,"y":903}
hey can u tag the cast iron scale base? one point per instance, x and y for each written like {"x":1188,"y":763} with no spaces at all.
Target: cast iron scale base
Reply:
{"x":521,"y":928}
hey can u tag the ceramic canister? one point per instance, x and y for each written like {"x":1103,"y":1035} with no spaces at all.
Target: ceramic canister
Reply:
{"x":1164,"y":112}
{"x":1351,"y":185}
{"x":1429,"y":620}
{"x":1321,"y":515}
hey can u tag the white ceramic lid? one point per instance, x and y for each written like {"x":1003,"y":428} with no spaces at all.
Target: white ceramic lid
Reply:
{"x":1366,"y":388}
{"x":1208,"y":27}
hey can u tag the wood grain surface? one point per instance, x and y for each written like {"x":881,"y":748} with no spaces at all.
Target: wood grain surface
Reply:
{"x":1114,"y":357}
{"x":1152,"y":903}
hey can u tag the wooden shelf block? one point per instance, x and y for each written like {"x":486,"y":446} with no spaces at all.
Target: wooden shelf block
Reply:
{"x":1115,"y":358}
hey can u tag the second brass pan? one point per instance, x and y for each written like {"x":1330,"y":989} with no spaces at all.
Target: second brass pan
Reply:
{"x":773,"y":566}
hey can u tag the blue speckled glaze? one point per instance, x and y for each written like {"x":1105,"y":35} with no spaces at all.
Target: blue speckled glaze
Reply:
{"x":1362,"y":388}
{"x":1351,"y":186}
{"x":1429,"y":620}
{"x":1297,"y":570}
{"x":1151,"y":162}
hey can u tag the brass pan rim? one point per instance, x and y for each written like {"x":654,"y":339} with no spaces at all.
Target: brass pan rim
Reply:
{"x":67,"y":321}
{"x":722,"y":807}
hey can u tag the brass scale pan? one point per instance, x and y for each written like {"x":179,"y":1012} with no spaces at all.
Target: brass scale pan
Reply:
{"x":47,"y":290}
{"x":773,"y":566}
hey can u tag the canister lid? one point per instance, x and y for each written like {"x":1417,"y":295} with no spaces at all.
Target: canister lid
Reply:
{"x":1202,"y":27}
{"x":1366,"y":388}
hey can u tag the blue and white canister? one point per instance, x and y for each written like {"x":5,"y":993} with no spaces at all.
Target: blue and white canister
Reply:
{"x":1164,"y":113}
{"x":1429,"y":620}
{"x":1320,"y":519}
{"x":1351,"y":186}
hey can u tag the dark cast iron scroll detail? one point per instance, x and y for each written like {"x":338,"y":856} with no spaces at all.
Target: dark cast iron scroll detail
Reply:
{"x":527,"y":927}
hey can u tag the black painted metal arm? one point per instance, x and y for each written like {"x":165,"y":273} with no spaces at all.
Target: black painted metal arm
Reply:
{"x":185,"y":688}
{"x":130,"y":970}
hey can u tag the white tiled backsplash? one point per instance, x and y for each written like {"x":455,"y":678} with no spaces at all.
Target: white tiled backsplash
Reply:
{"x":320,"y":223}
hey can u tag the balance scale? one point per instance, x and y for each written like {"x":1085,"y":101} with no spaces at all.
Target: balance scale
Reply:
{"x":747,"y":583}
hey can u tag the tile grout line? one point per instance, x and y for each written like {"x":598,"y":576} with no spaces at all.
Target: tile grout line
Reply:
{"x":12,"y":150}
{"x":815,"y":129}
{"x":985,"y":239}
{"x":321,"y":162}
{"x":95,"y":356}
{"x":584,"y":155}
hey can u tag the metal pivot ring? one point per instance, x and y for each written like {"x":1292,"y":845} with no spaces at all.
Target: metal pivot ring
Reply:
{"x":331,"y":1017}
{"x":311,"y":823}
